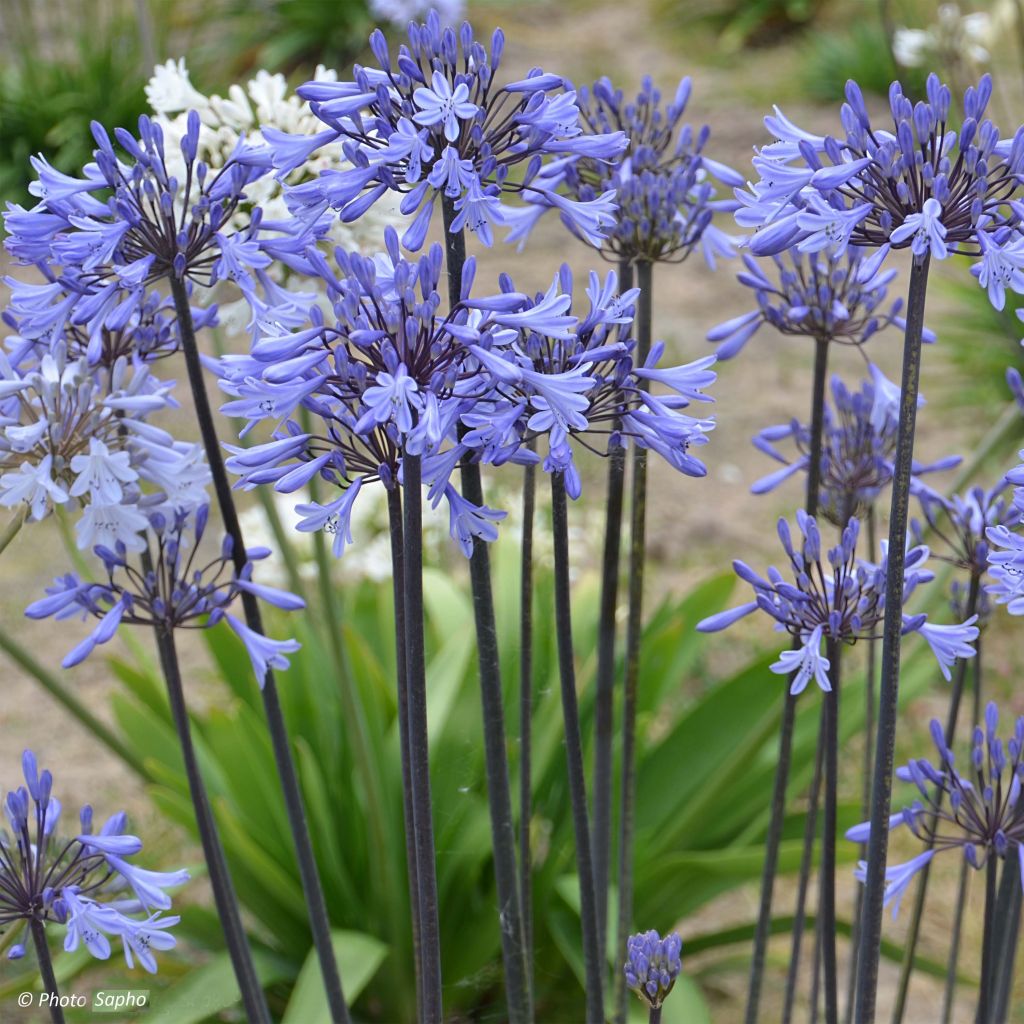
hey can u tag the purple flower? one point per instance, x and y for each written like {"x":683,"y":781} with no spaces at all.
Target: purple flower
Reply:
{"x":652,"y":965}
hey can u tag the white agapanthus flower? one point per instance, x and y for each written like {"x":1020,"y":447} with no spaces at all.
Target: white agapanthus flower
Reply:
{"x":265,"y":101}
{"x":953,"y":37}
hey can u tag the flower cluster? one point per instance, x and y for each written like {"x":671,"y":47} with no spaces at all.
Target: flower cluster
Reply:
{"x":86,"y":882}
{"x":823,"y":294}
{"x":1006,"y":567}
{"x":434,"y":121}
{"x":662,"y":182}
{"x":919,"y":185}
{"x":390,"y":375}
{"x":652,"y":965}
{"x":173,"y":587}
{"x":841,"y":600}
{"x":978,"y":813}
{"x":858,"y":447}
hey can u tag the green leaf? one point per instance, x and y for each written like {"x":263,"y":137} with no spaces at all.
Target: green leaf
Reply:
{"x":209,"y":989}
{"x":359,"y":957}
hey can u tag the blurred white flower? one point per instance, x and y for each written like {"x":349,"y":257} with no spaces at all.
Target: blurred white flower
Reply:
{"x":953,"y":38}
{"x":400,"y":12}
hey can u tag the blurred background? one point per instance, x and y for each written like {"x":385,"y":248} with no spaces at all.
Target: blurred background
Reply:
{"x":65,"y":62}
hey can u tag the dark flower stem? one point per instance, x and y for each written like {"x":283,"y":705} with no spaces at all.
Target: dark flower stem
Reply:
{"x":46,"y":970}
{"x":213,"y":850}
{"x":316,"y":906}
{"x":402,"y":699}
{"x":634,"y":633}
{"x":988,"y":951}
{"x":806,"y":863}
{"x":949,"y":993}
{"x":1007,"y":932}
{"x":914,"y":929}
{"x":885,"y":744}
{"x":827,"y":913}
{"x":592,"y":959}
{"x":526,"y":711}
{"x":604,"y":700}
{"x":655,"y":1017}
{"x":762,"y":931}
{"x":431,"y":1008}
{"x":503,"y":835}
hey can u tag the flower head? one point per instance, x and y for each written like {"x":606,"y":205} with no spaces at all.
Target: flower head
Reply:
{"x":85,"y":881}
{"x":652,"y":965}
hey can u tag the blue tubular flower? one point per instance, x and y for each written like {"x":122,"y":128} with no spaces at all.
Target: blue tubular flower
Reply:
{"x":825,"y":295}
{"x":662,"y":182}
{"x":434,"y":121}
{"x":977,"y":813}
{"x":652,"y":965}
{"x":1006,"y":567}
{"x":176,"y":591}
{"x":859,"y":444}
{"x":841,"y":599}
{"x":917,"y":186}
{"x":79,"y":882}
{"x":140,"y":216}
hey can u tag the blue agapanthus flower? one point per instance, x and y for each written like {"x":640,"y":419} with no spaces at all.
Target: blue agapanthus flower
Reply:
{"x":435,"y":121}
{"x":841,"y":599}
{"x":174,"y":588}
{"x":138,"y":216}
{"x":663,"y":181}
{"x":652,"y":965}
{"x":919,"y":185}
{"x":389,"y":374}
{"x":977,"y":812}
{"x":858,"y":448}
{"x":1006,"y":567}
{"x":86,"y":882}
{"x":825,"y":295}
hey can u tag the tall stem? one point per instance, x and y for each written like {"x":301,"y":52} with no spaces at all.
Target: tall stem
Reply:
{"x":952,"y":962}
{"x":526,"y":713}
{"x":806,"y":863}
{"x":1007,"y":932}
{"x":885,"y":744}
{"x":634,"y":632}
{"x":604,"y":700}
{"x":503,"y":835}
{"x":988,"y":951}
{"x":213,"y":850}
{"x":827,"y":912}
{"x":402,"y":699}
{"x":431,"y":1009}
{"x":316,"y":906}
{"x":46,"y":970}
{"x":914,"y":929}
{"x":592,"y":959}
{"x":762,"y":932}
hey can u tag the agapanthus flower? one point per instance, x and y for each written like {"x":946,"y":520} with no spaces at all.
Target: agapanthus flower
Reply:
{"x":662,"y":181}
{"x":977,"y":812}
{"x":109,"y":237}
{"x":919,"y":185}
{"x":820,"y":294}
{"x":434,"y":121}
{"x":1006,"y":567}
{"x":86,"y":882}
{"x":652,"y":965}
{"x":840,"y":599}
{"x":175,"y":587}
{"x":858,"y":448}
{"x":77,"y":435}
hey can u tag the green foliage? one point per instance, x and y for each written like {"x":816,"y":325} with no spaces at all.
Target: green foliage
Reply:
{"x":859,"y":51}
{"x":63,"y":65}
{"x":741,"y":22}
{"x":706,"y":765}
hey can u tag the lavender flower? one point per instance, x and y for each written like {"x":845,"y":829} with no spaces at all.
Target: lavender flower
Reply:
{"x":1006,"y":567}
{"x":859,"y":445}
{"x":842,"y":600}
{"x":86,"y":882}
{"x":825,"y":295}
{"x":979,"y":816}
{"x":652,"y":965}
{"x":662,"y":181}
{"x":434,"y":121}
{"x":917,"y":186}
{"x":174,"y":588}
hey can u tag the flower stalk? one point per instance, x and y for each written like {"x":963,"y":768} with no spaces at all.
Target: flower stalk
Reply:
{"x":46,"y":970}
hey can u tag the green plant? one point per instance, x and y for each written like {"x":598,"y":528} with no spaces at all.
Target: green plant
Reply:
{"x":699,"y":834}
{"x":61,"y":64}
{"x":741,"y":22}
